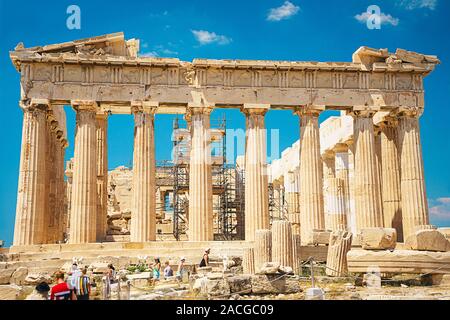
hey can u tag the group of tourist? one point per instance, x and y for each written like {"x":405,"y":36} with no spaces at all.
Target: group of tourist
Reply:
{"x":181,"y":271}
{"x":77,"y":286}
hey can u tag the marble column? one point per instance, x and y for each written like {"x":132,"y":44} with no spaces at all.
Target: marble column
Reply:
{"x":291,"y":191}
{"x":263,"y":248}
{"x":390,"y":173}
{"x":282,"y":251}
{"x":143,"y":214}
{"x":69,"y":183}
{"x":256,"y":178}
{"x":60,"y":187}
{"x":414,"y":200}
{"x":336,"y":218}
{"x":328,"y":175}
{"x":366,"y":185}
{"x":312,"y":215}
{"x":84,"y":187}
{"x":102,"y":174}
{"x":201,"y":226}
{"x":342,"y":165}
{"x":351,"y":218}
{"x":30,"y":210}
{"x":295,"y":221}
{"x":50,"y":222}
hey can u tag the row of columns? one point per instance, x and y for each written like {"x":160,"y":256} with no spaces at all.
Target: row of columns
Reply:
{"x":89,"y":194}
{"x":381,"y":174}
{"x":40,"y":212}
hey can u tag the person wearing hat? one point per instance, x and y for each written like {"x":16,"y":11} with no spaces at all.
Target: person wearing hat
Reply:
{"x":205,"y":259}
{"x":181,"y":269}
{"x":40,"y":292}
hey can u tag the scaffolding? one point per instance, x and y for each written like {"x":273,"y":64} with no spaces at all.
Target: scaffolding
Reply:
{"x":227,"y":179}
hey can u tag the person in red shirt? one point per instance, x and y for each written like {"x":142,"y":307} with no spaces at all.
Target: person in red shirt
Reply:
{"x":61,"y":290}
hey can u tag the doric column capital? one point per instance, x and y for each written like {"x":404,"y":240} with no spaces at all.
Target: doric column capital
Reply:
{"x":411,"y":112}
{"x":84,"y":105}
{"x":328,"y":155}
{"x":309,"y":110}
{"x":149,"y":107}
{"x":102,"y":115}
{"x":34,"y":104}
{"x":193,"y":110}
{"x":366,"y":113}
{"x":340,"y":148}
{"x":390,"y":121}
{"x":255,"y":108}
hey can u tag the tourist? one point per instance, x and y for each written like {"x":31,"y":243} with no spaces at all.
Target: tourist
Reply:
{"x":61,"y":290}
{"x":156,"y":270}
{"x":83,"y":286}
{"x":40,"y":292}
{"x":205,"y":259}
{"x":111,"y":274}
{"x":168,"y":272}
{"x":74,"y":273}
{"x":181,"y":269}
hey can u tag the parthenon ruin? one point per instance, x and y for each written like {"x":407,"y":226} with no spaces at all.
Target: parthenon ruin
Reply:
{"x":360,"y":170}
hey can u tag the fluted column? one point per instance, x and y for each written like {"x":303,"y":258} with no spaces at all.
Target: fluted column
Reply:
{"x":30,"y":210}
{"x":291,"y":193}
{"x":342,"y":165}
{"x":256,"y":179}
{"x":414,"y":200}
{"x":311,"y":173}
{"x":263,"y":248}
{"x":336,"y":218}
{"x":390,"y":172}
{"x":282,"y":251}
{"x":84,"y":188}
{"x":200,"y":176}
{"x":328,"y":174}
{"x":351,"y":218}
{"x":102,"y":174}
{"x":248,"y":261}
{"x":60,"y":187}
{"x":340,"y":245}
{"x":50,"y":223}
{"x":367,"y":184}
{"x":69,"y":183}
{"x":143,"y":215}
{"x":295,"y":218}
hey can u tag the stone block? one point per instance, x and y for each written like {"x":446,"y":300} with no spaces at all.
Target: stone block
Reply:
{"x":10,"y":292}
{"x":317,"y":237}
{"x":269,"y":268}
{"x":427,"y":240}
{"x":5,"y":275}
{"x":18,"y":277}
{"x":274,"y":284}
{"x":399,"y":261}
{"x":440,"y":279}
{"x":445,"y":232}
{"x":240,"y":284}
{"x":34,"y":279}
{"x":99,"y":267}
{"x":378,"y":238}
{"x":217,"y":287}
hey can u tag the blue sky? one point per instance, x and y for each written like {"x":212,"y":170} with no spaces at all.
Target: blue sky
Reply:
{"x":272,"y":30}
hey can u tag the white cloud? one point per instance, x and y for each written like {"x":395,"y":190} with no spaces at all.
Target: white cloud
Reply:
{"x":384,"y":18}
{"x":150,"y":54}
{"x":418,"y":4}
{"x":440,"y":208}
{"x":285,"y":11}
{"x":206,"y":37}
